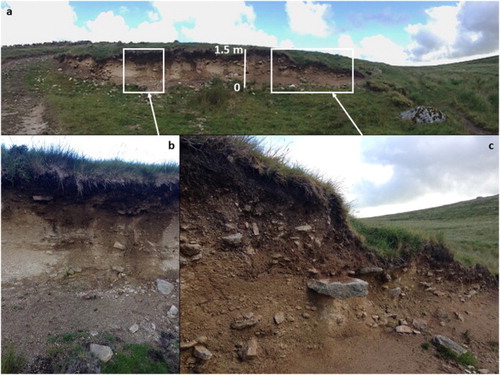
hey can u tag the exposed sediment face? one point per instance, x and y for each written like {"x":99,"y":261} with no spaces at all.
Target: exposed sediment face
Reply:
{"x":197,"y":68}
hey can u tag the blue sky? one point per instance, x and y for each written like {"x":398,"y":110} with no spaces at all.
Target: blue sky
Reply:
{"x":396,"y":32}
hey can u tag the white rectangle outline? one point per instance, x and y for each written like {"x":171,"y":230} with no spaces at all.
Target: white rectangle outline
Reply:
{"x":163,"y":71}
{"x":313,"y":92}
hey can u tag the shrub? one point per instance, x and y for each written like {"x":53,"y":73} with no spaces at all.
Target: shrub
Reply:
{"x":400,"y":100}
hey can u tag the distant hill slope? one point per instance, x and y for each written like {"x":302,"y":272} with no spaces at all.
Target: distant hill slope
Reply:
{"x":59,"y":82}
{"x":470,"y":228}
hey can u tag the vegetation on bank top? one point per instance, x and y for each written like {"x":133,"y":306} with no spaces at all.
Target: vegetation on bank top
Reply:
{"x":268,"y":163}
{"x":56,"y":164}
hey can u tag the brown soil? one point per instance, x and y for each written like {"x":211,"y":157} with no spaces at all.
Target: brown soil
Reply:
{"x":266,"y":274}
{"x":62,"y":273}
{"x":22,"y":110}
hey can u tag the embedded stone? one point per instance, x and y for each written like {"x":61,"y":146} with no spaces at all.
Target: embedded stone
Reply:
{"x":103,"y":352}
{"x":201,"y":352}
{"x":341,"y":289}
{"x":233,"y":239}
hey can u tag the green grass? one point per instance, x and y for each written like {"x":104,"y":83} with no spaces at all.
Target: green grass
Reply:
{"x":70,"y":351}
{"x":12,"y":363}
{"x":136,"y":359}
{"x":469,"y":229}
{"x":389,"y":241}
{"x":21,"y":165}
{"x":465,"y":359}
{"x":467,"y":93}
{"x":425,"y":345}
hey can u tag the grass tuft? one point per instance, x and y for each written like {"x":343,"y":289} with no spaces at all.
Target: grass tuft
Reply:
{"x":137,"y":359}
{"x":12,"y":363}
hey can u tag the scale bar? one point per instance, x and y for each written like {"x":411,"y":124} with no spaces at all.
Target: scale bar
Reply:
{"x":245,"y":68}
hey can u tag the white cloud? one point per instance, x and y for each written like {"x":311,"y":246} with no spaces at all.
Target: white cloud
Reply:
{"x":308,"y":18}
{"x":216,"y":22}
{"x":108,"y":26}
{"x":453,"y":31}
{"x":382,"y":49}
{"x":35,"y":22}
{"x":375,"y":48}
{"x":153,"y":16}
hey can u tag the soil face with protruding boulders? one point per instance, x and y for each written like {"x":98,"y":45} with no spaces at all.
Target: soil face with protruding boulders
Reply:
{"x":84,"y":269}
{"x":251,"y":241}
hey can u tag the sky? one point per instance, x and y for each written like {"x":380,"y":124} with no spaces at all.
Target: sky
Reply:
{"x":379,"y":175}
{"x":394,"y":32}
{"x":144,"y":149}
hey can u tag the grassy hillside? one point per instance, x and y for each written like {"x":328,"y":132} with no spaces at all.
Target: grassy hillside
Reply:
{"x":467,"y":93}
{"x":469,"y":228}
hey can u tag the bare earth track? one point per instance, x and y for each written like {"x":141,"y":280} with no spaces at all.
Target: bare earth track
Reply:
{"x":22,"y":109}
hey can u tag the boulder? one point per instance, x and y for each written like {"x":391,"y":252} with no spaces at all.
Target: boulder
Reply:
{"x":403,"y":329}
{"x":201,"y":352}
{"x":249,"y":350}
{"x":118,"y":245}
{"x":103,"y":352}
{"x":341,"y":289}
{"x":164,"y":287}
{"x":419,"y":324}
{"x":134,"y":328}
{"x":396,"y":292}
{"x":233,"y":239}
{"x":172,"y":312}
{"x":442,"y":341}
{"x":423,"y":115}
{"x":190,"y":249}
{"x":279,"y":317}
{"x":303,"y":228}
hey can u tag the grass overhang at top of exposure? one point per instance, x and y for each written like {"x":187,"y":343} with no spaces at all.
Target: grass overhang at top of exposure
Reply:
{"x":63,"y":167}
{"x":271,"y":164}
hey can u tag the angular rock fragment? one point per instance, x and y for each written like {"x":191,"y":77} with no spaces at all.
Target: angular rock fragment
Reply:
{"x":249,"y":350}
{"x":403,"y":329}
{"x":201,"y":352}
{"x":247,"y":321}
{"x":190,"y":249}
{"x":233,"y":239}
{"x":303,"y":228}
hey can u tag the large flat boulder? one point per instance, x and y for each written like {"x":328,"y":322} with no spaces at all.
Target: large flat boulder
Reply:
{"x":340,"y":288}
{"x":439,"y":340}
{"x":423,"y":115}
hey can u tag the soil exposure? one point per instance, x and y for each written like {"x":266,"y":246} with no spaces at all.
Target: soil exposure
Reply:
{"x":196,"y":68}
{"x":252,"y":237}
{"x":88,"y":259}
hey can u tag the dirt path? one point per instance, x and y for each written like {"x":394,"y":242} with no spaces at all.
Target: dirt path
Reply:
{"x":471,"y":128}
{"x":22,"y":110}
